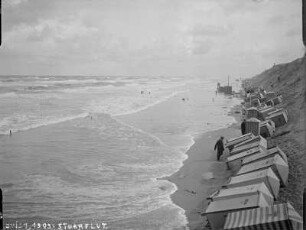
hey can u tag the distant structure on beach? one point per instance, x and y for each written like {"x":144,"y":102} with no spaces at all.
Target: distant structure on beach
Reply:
{"x":225,"y":89}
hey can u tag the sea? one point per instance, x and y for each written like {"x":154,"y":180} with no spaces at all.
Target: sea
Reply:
{"x":90,"y":152}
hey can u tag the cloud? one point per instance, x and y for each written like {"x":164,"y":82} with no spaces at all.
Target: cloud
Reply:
{"x":141,"y":35}
{"x":13,"y":3}
{"x":294,"y":32}
{"x":210,"y":30}
{"x":277,"y":20}
{"x":202,"y":48}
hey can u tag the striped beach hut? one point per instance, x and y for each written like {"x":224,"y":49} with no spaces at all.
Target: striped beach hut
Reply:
{"x":278,"y":165}
{"x":243,"y":191}
{"x":279,"y":118}
{"x":277,"y":216}
{"x":234,"y":162}
{"x":252,"y":126}
{"x":217,"y":211}
{"x":265,"y":175}
{"x":252,"y":112}
{"x":236,"y":140}
{"x":264,"y":155}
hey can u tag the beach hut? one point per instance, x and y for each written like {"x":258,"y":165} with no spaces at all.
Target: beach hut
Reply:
{"x":236,"y":140}
{"x":277,"y":109}
{"x":278,"y":165}
{"x":262,"y":141}
{"x":252,"y":112}
{"x":271,"y":123}
{"x":277,"y":216}
{"x":266,"y":129}
{"x":279,"y":118}
{"x":234,"y":162}
{"x":270,"y":103}
{"x":252,"y":126}
{"x":269,"y":95}
{"x":277,"y":100}
{"x":247,"y":147}
{"x":263,"y":112}
{"x":255,"y":102}
{"x":243,"y":191}
{"x":217,"y":211}
{"x":262,"y":100}
{"x":265,"y":175}
{"x":264,"y":155}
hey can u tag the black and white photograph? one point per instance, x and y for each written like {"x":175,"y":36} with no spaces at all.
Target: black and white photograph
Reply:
{"x":152,"y":114}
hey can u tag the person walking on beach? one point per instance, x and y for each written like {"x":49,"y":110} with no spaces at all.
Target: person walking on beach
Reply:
{"x":243,"y":127}
{"x":220,"y":148}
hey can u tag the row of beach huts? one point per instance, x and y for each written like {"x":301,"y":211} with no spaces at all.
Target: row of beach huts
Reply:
{"x":249,"y":199}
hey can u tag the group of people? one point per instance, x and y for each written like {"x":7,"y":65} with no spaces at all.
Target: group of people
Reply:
{"x":219,"y":146}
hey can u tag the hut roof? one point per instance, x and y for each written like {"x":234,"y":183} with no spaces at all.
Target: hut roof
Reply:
{"x":253,"y":119}
{"x":236,"y":140}
{"x":278,"y":216}
{"x":280,"y":165}
{"x":244,"y":147}
{"x":242,"y":191}
{"x":252,"y":175}
{"x":237,"y":203}
{"x":265,"y":154}
{"x":244,"y":154}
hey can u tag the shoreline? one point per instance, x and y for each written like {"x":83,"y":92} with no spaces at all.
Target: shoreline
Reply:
{"x":201,"y":173}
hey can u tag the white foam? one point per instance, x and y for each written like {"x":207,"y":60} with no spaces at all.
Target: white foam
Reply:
{"x":23,"y":122}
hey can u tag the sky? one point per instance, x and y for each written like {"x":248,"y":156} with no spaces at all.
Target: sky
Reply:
{"x":202,"y":38}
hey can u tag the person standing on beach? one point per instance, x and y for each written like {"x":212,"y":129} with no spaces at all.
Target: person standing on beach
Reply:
{"x":243,"y":127}
{"x":220,"y":148}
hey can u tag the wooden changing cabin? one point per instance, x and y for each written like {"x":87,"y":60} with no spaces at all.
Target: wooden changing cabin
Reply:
{"x":260,"y":142}
{"x":267,"y":128}
{"x":252,"y":126}
{"x":269,"y":95}
{"x":264,"y":155}
{"x":277,"y":216}
{"x":255,"y":102}
{"x":277,"y":100}
{"x":217,"y":211}
{"x":234,"y":162}
{"x":264,"y":112}
{"x":252,"y":112}
{"x":278,"y":165}
{"x":243,"y":191}
{"x":269,"y":103}
{"x":279,"y":118}
{"x":236,"y":140}
{"x":264,"y":175}
{"x":263,"y":142}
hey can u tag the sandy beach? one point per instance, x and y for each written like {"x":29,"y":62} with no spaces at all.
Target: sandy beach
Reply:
{"x":201,"y":173}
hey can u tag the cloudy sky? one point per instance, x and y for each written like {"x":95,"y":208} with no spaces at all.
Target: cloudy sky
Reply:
{"x":206,"y":38}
